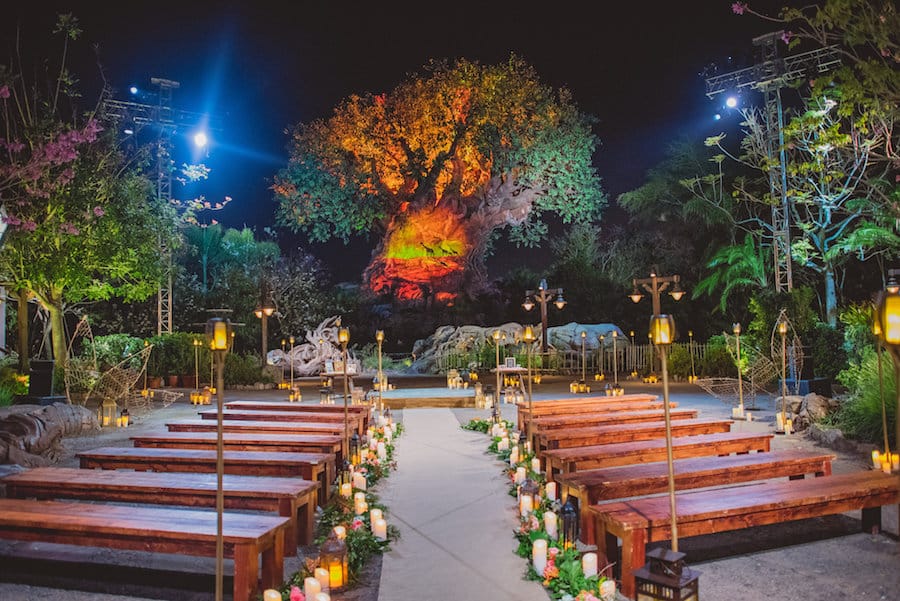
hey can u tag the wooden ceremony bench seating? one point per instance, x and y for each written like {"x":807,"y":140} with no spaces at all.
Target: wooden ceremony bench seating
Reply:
{"x":555,"y":422}
{"x":641,"y":521}
{"x":628,"y":432}
{"x":236,"y":441}
{"x":237,"y":425}
{"x":362,"y":411}
{"x":292,"y":498}
{"x":647,"y":451}
{"x":253,"y":540}
{"x":330,"y":420}
{"x":318,"y":467}
{"x":593,"y":486}
{"x":591,"y":404}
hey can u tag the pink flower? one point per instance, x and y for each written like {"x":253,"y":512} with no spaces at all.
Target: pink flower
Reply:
{"x":552,"y":552}
{"x":786,"y":37}
{"x":356,"y":524}
{"x":738,"y":8}
{"x":297,"y":594}
{"x":99,"y":212}
{"x":4,"y":92}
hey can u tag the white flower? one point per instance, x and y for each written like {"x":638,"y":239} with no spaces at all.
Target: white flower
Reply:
{"x":608,"y":590}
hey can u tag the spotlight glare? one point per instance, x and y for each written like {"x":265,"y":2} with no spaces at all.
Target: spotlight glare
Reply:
{"x":133,"y":89}
{"x":200,"y":139}
{"x":731,"y":102}
{"x":717,"y":116}
{"x":129,"y":131}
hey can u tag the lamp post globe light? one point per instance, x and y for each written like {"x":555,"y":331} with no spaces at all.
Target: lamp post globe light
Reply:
{"x":691,"y":348}
{"x":218,"y":336}
{"x":739,"y":412}
{"x":495,"y":402}
{"x":263,"y":312}
{"x":291,"y":393}
{"x":656,"y":285}
{"x":887,"y":321}
{"x":583,"y":358}
{"x":344,"y":339}
{"x":615,"y":337}
{"x":379,"y":338}
{"x":542,"y":296}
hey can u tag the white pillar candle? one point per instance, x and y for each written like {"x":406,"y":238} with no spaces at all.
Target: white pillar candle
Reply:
{"x":514,"y":437}
{"x":311,"y":587}
{"x":527,"y":447}
{"x":514,"y":456}
{"x":381,"y":451}
{"x":373,"y":442}
{"x":271,"y":595}
{"x":321,"y":597}
{"x":589,"y":564}
{"x":346,"y":490}
{"x":388,"y":435}
{"x":895,"y":461}
{"x":876,"y":459}
{"x":779,"y":421}
{"x":503,"y":445}
{"x":526,"y":504}
{"x":749,"y":417}
{"x":535,"y":465}
{"x":886,"y":465}
{"x":550,"y":490}
{"x":520,"y":475}
{"x":539,"y":555}
{"x":379,"y":529}
{"x":321,"y":575}
{"x":788,"y":426}
{"x":494,"y":429}
{"x":375,"y":514}
{"x":359,"y":481}
{"x":340,"y":532}
{"x":359,"y":497}
{"x":550,"y":524}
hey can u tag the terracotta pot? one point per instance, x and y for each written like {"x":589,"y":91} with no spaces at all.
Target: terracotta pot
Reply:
{"x":154,"y":382}
{"x":172,"y":381}
{"x":189,"y":381}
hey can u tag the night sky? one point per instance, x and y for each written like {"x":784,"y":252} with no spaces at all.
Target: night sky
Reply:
{"x":265,"y":66}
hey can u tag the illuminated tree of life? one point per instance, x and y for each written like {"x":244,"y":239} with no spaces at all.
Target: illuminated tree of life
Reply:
{"x":437,"y":167}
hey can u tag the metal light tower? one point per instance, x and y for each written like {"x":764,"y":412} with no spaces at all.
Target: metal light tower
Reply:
{"x":772,"y":73}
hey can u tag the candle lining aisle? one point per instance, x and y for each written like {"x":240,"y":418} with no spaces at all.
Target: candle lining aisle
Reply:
{"x":566,"y":573}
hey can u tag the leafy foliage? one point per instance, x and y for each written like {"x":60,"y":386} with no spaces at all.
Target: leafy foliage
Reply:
{"x":860,"y":416}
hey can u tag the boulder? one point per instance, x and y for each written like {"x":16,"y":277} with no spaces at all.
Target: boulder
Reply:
{"x":817,"y":407}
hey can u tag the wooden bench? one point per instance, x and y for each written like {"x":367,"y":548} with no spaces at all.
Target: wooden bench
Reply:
{"x":292,"y":498}
{"x":555,"y":422}
{"x":647,"y":451}
{"x":360,"y":410}
{"x":628,"y":432}
{"x":236,"y":441}
{"x":585,"y":405}
{"x":253,"y":540}
{"x":318,"y":467}
{"x":593,"y":486}
{"x":237,"y":425}
{"x":641,"y":521}
{"x":332,"y":421}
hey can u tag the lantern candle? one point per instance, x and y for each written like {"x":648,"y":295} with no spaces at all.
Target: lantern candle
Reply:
{"x":321,"y":575}
{"x":550,"y":524}
{"x":520,"y":475}
{"x":359,"y":481}
{"x":589,"y":564}
{"x":876,"y":459}
{"x":536,"y":465}
{"x":379,"y":529}
{"x":346,"y":490}
{"x":311,"y":587}
{"x":340,"y":532}
{"x":271,"y":595}
{"x":118,"y":422}
{"x":539,"y":555}
{"x":550,"y":491}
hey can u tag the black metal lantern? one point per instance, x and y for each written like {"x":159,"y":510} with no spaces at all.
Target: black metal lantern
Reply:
{"x":346,"y":475}
{"x":568,"y":517}
{"x":355,"y":449}
{"x":665,"y":576}
{"x":529,"y":496}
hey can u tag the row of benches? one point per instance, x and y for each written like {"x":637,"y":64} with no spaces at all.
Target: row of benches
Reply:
{"x":581,"y":446}
{"x":267,"y":470}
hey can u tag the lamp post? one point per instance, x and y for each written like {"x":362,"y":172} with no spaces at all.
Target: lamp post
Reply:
{"x":344,"y":339}
{"x":583,"y":358}
{"x":218,"y":334}
{"x":495,"y":409}
{"x":542,"y":296}
{"x":887,"y":314}
{"x":662,"y":331}
{"x":736,"y":328}
{"x":782,"y":331}
{"x":656,"y":285}
{"x":197,"y":344}
{"x":263,"y":311}
{"x":691,"y":348}
{"x":633,"y":354}
{"x":615,"y":336}
{"x":379,"y":337}
{"x":291,"y":340}
{"x":529,"y":338}
{"x":601,"y":338}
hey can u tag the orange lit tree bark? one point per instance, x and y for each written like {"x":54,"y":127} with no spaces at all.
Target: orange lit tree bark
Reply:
{"x":437,"y":167}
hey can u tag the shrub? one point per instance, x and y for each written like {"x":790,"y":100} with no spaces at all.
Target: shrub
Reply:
{"x":173,"y":354}
{"x":828,"y":353}
{"x":112,"y":349}
{"x":679,"y":362}
{"x":11,"y":382}
{"x":243,"y":370}
{"x":717,"y":361}
{"x":859,"y":416}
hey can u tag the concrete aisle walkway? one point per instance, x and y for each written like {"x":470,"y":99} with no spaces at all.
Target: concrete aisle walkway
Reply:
{"x":450,"y":501}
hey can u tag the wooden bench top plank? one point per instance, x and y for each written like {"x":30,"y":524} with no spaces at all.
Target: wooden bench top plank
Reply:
{"x":716,"y":504}
{"x":362,"y":410}
{"x":207,"y":425}
{"x":603,"y":417}
{"x":152,"y":482}
{"x":614,"y":433}
{"x":597,"y":398}
{"x":288,"y":416}
{"x":260,"y":438}
{"x":232,"y":457}
{"x":655,"y":475}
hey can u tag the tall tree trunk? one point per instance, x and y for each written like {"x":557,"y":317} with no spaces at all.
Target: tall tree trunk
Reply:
{"x":830,"y":297}
{"x":22,"y":324}
{"x":57,"y":329}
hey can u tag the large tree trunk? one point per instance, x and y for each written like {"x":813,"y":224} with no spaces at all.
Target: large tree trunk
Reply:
{"x":830,"y":297}
{"x":22,"y":297}
{"x":57,"y":329}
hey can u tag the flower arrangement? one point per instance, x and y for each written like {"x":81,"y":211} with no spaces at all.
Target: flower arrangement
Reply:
{"x":564,"y":574}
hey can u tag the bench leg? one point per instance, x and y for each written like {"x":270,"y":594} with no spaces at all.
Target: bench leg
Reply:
{"x":871,"y":520}
{"x":287,"y":508}
{"x":634,"y":545}
{"x":246,"y":567}
{"x":273,"y":562}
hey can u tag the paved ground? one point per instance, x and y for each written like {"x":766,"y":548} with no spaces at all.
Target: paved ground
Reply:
{"x":450,"y":502}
